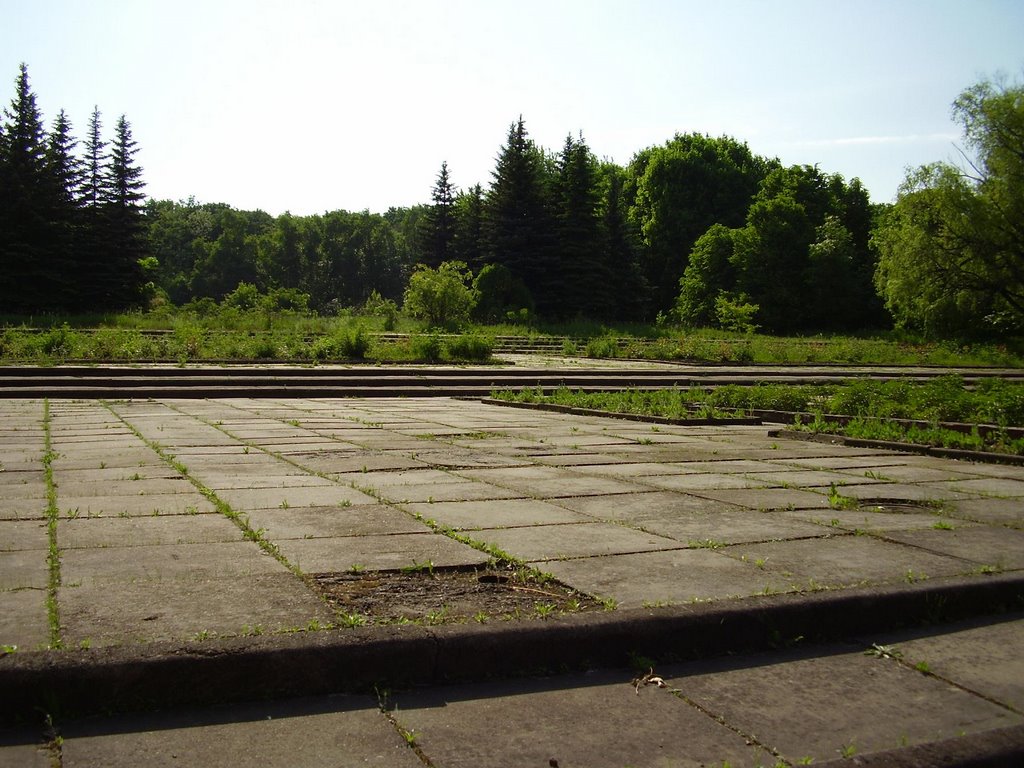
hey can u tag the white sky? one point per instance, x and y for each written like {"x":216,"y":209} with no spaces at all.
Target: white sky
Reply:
{"x":316,"y":105}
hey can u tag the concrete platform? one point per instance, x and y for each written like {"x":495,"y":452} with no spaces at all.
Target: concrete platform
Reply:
{"x":188,"y":533}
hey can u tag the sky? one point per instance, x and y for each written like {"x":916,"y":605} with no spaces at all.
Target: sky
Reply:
{"x":309,"y":106}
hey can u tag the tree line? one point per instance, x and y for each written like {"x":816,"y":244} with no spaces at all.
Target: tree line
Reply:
{"x":72,"y":230}
{"x":699,"y":231}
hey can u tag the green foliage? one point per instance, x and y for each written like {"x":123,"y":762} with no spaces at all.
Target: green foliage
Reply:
{"x":735,"y":313}
{"x":499,"y":293}
{"x":441,"y":297}
{"x":950,"y":249}
{"x":378,"y":306}
{"x":343,"y":344}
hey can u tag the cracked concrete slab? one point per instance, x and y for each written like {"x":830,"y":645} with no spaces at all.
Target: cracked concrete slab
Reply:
{"x":378,"y":552}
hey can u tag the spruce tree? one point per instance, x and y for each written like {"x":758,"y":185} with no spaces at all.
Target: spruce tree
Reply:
{"x":469,"y":212}
{"x":26,"y":237}
{"x":437,"y":228}
{"x":64,"y":174}
{"x":518,"y":226}
{"x":583,"y":274}
{"x":124,"y":220}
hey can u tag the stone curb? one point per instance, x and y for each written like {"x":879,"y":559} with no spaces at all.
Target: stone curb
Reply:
{"x":164,"y":675}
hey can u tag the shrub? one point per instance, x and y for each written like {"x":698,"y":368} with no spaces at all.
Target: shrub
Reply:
{"x":469,"y":347}
{"x":441,"y":297}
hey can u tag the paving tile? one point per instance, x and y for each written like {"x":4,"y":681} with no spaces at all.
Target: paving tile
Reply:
{"x":113,"y":532}
{"x":23,"y":534}
{"x":241,"y":499}
{"x":666,"y":577}
{"x":1009,"y":512}
{"x":332,"y":522}
{"x":984,"y":545}
{"x":24,"y":619}
{"x":497,"y":513}
{"x":142,"y":610}
{"x":637,"y":507}
{"x":387,"y":552}
{"x":342,"y":731}
{"x":846,"y":560}
{"x":816,"y":704}
{"x":981,"y":655}
{"x":552,"y":542}
{"x":186,"y":503}
{"x":726,"y":526}
{"x":767,"y":498}
{"x":529,"y":721}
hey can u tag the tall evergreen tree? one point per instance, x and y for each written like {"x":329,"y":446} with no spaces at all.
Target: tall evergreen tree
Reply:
{"x":469,"y":213}
{"x":64,"y":174}
{"x":25,"y":198}
{"x":517,"y":222}
{"x":583,"y":274}
{"x":630,"y":293}
{"x":437,"y":228}
{"x":124,"y":220}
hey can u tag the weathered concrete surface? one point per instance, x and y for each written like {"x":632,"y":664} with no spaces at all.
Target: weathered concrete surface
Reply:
{"x":179,"y":521}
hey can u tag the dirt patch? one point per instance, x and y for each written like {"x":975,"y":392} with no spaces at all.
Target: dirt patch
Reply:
{"x":442,"y":595}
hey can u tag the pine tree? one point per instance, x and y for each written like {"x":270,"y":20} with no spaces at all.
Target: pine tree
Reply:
{"x":583,"y":274}
{"x":518,"y":226}
{"x":124,"y":220}
{"x":469,"y":214}
{"x":437,"y":228}
{"x":631,"y":294}
{"x":25,"y":196}
{"x":64,"y":174}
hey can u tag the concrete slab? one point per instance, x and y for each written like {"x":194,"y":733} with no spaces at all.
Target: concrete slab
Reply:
{"x":464,"y":491}
{"x":988,"y":486}
{"x":666,"y":577}
{"x":821,"y":705}
{"x":1008,"y":512}
{"x":99,"y":532}
{"x":726,"y":527}
{"x":846,"y":560}
{"x":702,"y":481}
{"x":868,"y":518}
{"x":330,"y":522}
{"x":24,"y":569}
{"x":981,"y":655}
{"x":538,"y":722}
{"x":118,"y":612}
{"x":241,"y":499}
{"x":554,"y":542}
{"x":549,"y":482}
{"x":341,"y":731}
{"x":168,"y":562}
{"x":23,"y":488}
{"x":24,"y":619}
{"x":25,"y":750}
{"x":134,"y":484}
{"x":190,"y":503}
{"x":767,"y":498}
{"x":23,"y":534}
{"x":999,"y":547}
{"x":23,"y":509}
{"x":378,"y":552}
{"x":636,"y":507}
{"x":903,"y":492}
{"x":497,"y":513}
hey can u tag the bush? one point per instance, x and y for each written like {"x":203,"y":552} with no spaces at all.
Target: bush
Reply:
{"x":343,"y":344}
{"x":469,"y":347}
{"x":441,"y":297}
{"x":426,"y":347}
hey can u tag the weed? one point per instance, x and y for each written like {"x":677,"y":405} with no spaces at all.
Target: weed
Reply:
{"x":943,"y":525}
{"x":912,"y":577}
{"x":480,"y":617}
{"x":705,"y":544}
{"x":837,"y":500}
{"x":356,"y":568}
{"x":543,"y":610}
{"x":85,"y":644}
{"x":847,"y":750}
{"x":884,"y":652}
{"x":923,"y":668}
{"x":417,"y":567}
{"x":437,"y":616}
{"x":203,"y":634}
{"x":284,"y":504}
{"x":352,"y":620}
